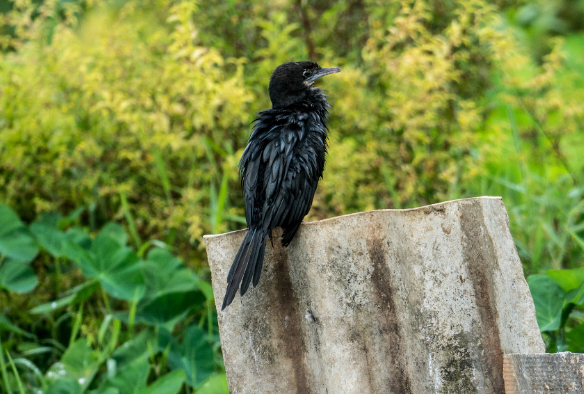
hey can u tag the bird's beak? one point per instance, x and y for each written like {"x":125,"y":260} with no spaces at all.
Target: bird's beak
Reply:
{"x":322,"y":72}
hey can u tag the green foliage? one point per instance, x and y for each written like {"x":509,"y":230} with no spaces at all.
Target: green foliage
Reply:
{"x":194,"y":355}
{"x":137,"y":111}
{"x":17,"y":276}
{"x":559,"y":305}
{"x":530,"y":156}
{"x":15,"y":240}
{"x":544,"y":19}
{"x":113,"y":331}
{"x":140,"y":111}
{"x":124,"y":112}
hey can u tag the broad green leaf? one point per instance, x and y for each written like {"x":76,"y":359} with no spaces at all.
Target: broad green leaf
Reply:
{"x":18,"y":277}
{"x":115,"y":232}
{"x":171,"y":289}
{"x":164,"y":274}
{"x":216,"y":384}
{"x":79,"y":255}
{"x":164,"y":259}
{"x":105,"y":390}
{"x":198,"y":355}
{"x":167,"y":307}
{"x":15,"y":240}
{"x":19,"y":245}
{"x":64,"y":222}
{"x":79,"y":237}
{"x":567,"y":279}
{"x":116,"y":267}
{"x":194,"y":355}
{"x":51,"y":239}
{"x":126,"y":281}
{"x":131,"y":379}
{"x":106,"y":253}
{"x":9,"y":221}
{"x":153,"y":242}
{"x":576,"y":296}
{"x":168,"y":343}
{"x":49,"y":219}
{"x":79,"y":363}
{"x":170,"y":383}
{"x":178,"y":281}
{"x":548,"y":298}
{"x":64,"y":386}
{"x":575,"y":339}
{"x":207,"y":290}
{"x":135,"y":349}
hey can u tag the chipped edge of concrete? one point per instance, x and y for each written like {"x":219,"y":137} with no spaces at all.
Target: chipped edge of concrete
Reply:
{"x":329,"y":220}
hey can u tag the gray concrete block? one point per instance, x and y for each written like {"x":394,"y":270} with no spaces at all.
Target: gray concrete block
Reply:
{"x":424,"y":300}
{"x":556,"y":373}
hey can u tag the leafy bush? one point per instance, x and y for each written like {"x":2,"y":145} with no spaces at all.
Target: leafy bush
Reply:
{"x":559,"y":304}
{"x":110,"y":106}
{"x":111,"y":329}
{"x":543,"y":20}
{"x":530,"y":154}
{"x":139,"y":110}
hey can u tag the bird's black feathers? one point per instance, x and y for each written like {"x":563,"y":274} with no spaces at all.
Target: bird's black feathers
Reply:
{"x":281,"y":166}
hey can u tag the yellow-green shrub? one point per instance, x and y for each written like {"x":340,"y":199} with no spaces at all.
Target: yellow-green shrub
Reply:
{"x":154,"y":99}
{"x":86,"y":117}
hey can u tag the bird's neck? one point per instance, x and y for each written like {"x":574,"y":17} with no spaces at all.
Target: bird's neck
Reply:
{"x":314,"y":100}
{"x":317,"y":95}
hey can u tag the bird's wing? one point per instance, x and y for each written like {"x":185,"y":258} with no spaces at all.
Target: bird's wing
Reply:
{"x":280,"y":169}
{"x":280,"y":173}
{"x":263,"y":165}
{"x":275,"y":164}
{"x":296,"y":192}
{"x":251,"y":170}
{"x":263,"y":168}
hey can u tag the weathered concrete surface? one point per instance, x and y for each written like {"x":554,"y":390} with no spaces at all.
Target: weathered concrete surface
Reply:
{"x":424,"y":300}
{"x":544,"y":373}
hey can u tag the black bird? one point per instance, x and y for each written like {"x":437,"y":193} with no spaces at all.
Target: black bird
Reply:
{"x":281,"y":166}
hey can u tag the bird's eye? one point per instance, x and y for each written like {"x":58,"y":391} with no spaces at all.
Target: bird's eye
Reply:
{"x":306,"y":73}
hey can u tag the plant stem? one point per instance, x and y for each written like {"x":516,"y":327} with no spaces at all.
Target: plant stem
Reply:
{"x":554,"y":145}
{"x":132,"y":315}
{"x":130,"y":219}
{"x":106,"y":301}
{"x":209,"y":319}
{"x":307,"y":30}
{"x":16,"y":374}
{"x":76,"y":324}
{"x":7,"y":385}
{"x":58,"y":277}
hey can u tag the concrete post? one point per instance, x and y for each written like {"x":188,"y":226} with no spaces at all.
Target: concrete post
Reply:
{"x":424,"y":300}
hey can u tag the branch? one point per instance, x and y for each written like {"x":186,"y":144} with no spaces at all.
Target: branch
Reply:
{"x":307,"y":30}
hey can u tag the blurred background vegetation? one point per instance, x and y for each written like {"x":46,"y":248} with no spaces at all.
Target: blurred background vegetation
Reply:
{"x":123,"y":121}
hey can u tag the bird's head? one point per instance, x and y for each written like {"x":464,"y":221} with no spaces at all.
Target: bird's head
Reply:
{"x":291,"y":82}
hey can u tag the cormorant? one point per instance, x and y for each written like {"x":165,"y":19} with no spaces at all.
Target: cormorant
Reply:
{"x":281,"y":166}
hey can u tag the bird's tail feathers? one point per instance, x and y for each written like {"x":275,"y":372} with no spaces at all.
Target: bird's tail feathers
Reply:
{"x":247,"y":263}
